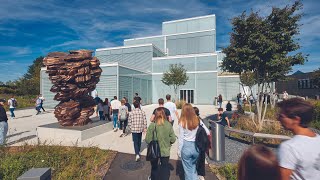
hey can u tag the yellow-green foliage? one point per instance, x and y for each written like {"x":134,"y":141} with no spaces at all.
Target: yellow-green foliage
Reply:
{"x":66,"y":162}
{"x":179,"y":104}
{"x":227,"y":171}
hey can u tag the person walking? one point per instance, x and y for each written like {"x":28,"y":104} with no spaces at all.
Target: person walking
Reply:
{"x":100,"y":110}
{"x":220,"y":100}
{"x":12,"y":103}
{"x":137,"y":123}
{"x":188,"y":126}
{"x":201,"y":170}
{"x":251,"y":99}
{"x":106,"y":109}
{"x":123,"y":117}
{"x":42,"y":100}
{"x":127,"y":104}
{"x":228,"y":106}
{"x":164,"y":134}
{"x":172,"y":108}
{"x":115,"y":104}
{"x":258,"y":162}
{"x":299,"y":157}
{"x":161,"y":106}
{"x":138,"y":99}
{"x":3,"y":122}
{"x":38,"y":105}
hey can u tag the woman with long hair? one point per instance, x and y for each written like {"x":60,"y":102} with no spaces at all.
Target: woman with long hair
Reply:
{"x":188,"y":126}
{"x":106,"y":109}
{"x":258,"y":162}
{"x":163,"y":132}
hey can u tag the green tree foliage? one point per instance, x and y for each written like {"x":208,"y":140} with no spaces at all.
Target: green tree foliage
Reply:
{"x":266,"y":46}
{"x":176,"y":76}
{"x":316,"y":78}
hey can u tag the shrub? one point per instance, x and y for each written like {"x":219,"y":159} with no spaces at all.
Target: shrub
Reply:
{"x":180,"y":103}
{"x":227,"y":171}
{"x":316,"y":119}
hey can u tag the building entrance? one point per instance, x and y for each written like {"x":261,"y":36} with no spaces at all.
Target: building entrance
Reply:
{"x":187,"y":96}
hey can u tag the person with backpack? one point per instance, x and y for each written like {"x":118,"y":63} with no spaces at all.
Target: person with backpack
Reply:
{"x":188,"y":151}
{"x":123,"y":117}
{"x":203,"y":144}
{"x":12,"y":103}
{"x":106,"y":109}
{"x":100,"y":110}
{"x":38,"y":105}
{"x":162,"y":131}
{"x":3,"y":122}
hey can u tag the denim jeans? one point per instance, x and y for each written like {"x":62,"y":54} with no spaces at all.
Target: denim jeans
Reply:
{"x":12,"y":112}
{"x":136,"y":137}
{"x":101,"y":115}
{"x":123,"y":125}
{"x":189,"y":156}
{"x":3,"y":131}
{"x":220,"y":104}
{"x":115,"y":120}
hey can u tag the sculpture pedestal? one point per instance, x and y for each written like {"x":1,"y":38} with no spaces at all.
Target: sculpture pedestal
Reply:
{"x":55,"y":134}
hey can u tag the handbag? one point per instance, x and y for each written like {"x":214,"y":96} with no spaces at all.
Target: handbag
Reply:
{"x":153,"y":151}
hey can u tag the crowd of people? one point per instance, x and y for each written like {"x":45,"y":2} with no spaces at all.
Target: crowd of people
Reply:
{"x":297,"y":158}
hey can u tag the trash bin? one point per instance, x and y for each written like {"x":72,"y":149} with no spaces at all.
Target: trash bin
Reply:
{"x":215,"y":101}
{"x":217,"y":151}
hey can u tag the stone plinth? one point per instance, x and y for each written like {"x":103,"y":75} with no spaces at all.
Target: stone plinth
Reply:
{"x":55,"y":134}
{"x":36,"y":174}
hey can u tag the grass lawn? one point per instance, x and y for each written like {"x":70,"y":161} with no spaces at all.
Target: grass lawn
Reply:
{"x":65,"y":162}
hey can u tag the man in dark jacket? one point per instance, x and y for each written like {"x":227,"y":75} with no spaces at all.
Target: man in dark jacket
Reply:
{"x":3,"y":122}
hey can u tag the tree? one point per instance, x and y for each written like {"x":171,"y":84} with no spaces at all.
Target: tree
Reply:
{"x":316,"y":78}
{"x":247,"y":79}
{"x":265,"y":46}
{"x":176,"y":76}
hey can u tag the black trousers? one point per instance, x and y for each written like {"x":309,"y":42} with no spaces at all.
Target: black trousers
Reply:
{"x":162,"y":173}
{"x":123,"y":125}
{"x":201,"y":169}
{"x":107,"y":116}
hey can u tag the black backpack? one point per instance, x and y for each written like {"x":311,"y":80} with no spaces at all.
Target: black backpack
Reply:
{"x":202,"y":140}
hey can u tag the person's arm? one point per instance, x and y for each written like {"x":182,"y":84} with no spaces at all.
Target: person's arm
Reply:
{"x":285,"y":173}
{"x":129,"y":120}
{"x":144,"y":122}
{"x":180,"y":140}
{"x":110,"y":109}
{"x":205,"y":127}
{"x":169,"y":118}
{"x":152,"y":117}
{"x":177,"y":114}
{"x":227,"y":119}
{"x":172,"y":136}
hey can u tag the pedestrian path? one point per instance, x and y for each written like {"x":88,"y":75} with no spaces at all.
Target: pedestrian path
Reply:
{"x":125,"y":167}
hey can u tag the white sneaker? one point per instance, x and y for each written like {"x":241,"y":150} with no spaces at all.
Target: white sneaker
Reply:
{"x":201,"y":178}
{"x":137,"y":158}
{"x":149,"y":177}
{"x":115,"y":129}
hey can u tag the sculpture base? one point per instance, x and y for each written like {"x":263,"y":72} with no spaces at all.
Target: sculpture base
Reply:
{"x":55,"y":134}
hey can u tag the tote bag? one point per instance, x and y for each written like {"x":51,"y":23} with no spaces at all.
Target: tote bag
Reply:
{"x":153,"y":151}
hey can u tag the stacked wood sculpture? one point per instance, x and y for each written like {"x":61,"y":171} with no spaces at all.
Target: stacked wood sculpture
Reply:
{"x":74,"y":76}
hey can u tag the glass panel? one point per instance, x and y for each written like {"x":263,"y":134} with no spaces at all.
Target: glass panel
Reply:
{"x":192,"y":96}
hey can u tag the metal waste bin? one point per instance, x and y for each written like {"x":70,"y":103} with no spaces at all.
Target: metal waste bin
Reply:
{"x":217,"y":151}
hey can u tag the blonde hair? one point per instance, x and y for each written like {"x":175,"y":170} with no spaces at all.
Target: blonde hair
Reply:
{"x":123,"y":101}
{"x":188,"y":118}
{"x":160,"y":116}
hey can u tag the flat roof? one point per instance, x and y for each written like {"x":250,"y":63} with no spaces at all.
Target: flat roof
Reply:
{"x":188,"y":19}
{"x":123,"y":47}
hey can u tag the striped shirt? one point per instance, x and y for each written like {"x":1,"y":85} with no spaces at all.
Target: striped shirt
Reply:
{"x":137,"y":120}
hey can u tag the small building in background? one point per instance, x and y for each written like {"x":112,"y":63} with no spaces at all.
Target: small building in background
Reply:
{"x":299,"y":84}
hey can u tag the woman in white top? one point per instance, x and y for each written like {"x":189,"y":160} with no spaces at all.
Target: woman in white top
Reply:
{"x":188,"y":126}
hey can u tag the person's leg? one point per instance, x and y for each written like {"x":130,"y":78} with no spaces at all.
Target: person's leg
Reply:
{"x":115,"y":120}
{"x":135,"y":143}
{"x":3,"y":132}
{"x":121,"y":125}
{"x":139,"y":142}
{"x":164,"y":168}
{"x":125,"y":123}
{"x":11,"y":111}
{"x":101,"y":115}
{"x":42,"y":108}
{"x":154,"y":169}
{"x":189,"y":156}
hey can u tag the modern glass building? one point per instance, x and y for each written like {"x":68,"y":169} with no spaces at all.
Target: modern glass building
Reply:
{"x":138,"y":66}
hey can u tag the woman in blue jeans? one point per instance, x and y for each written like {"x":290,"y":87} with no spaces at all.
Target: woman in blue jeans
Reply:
{"x":188,"y":126}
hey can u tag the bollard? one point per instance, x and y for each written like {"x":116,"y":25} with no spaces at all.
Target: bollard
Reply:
{"x":218,"y":142}
{"x":36,"y":174}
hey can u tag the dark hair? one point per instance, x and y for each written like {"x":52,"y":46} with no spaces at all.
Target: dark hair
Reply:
{"x":125,"y":99}
{"x":115,"y":97}
{"x":136,"y":104}
{"x":168,"y":96}
{"x":161,"y":101}
{"x":106,"y":101}
{"x":258,"y":162}
{"x":297,"y":107}
{"x":136,"y":94}
{"x":196,"y":110}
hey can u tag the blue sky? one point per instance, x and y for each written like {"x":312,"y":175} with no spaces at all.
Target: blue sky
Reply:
{"x":31,"y":28}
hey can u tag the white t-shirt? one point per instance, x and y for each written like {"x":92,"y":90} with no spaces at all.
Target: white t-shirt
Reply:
{"x":172,"y":108}
{"x":115,"y":104}
{"x":302,"y":155}
{"x":10,"y":102}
